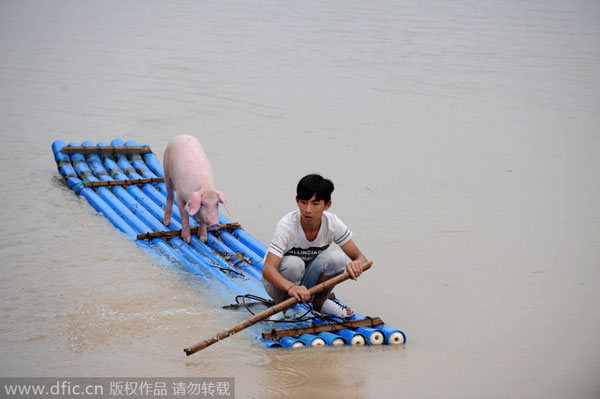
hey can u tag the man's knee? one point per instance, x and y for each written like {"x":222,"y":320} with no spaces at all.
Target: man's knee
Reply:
{"x":292,"y":268}
{"x":331,"y":262}
{"x":328,"y":264}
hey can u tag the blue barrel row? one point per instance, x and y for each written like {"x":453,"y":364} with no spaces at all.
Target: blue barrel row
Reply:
{"x":135,"y":210}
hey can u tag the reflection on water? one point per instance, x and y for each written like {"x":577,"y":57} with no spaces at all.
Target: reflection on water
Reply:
{"x":461,"y":137}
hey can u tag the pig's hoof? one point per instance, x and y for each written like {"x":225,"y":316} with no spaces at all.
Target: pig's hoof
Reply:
{"x":188,"y":240}
{"x":166,"y":222}
{"x":203,"y":239}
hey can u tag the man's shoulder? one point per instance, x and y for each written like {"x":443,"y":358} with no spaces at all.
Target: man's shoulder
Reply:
{"x":289,"y":219}
{"x":331,"y":217}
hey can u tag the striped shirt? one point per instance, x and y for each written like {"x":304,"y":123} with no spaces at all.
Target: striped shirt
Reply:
{"x":289,"y":237}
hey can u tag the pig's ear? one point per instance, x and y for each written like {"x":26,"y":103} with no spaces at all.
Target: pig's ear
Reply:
{"x":223,"y":200}
{"x":193,"y":205}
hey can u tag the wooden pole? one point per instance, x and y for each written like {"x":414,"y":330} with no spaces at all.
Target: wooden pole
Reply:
{"x":128,"y":182}
{"x":271,"y":311}
{"x":107,"y":149}
{"x":193,"y":231}
{"x":315,"y":329}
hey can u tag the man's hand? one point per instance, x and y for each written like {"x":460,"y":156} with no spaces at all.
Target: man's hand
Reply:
{"x":299,"y":292}
{"x":354,"y":269}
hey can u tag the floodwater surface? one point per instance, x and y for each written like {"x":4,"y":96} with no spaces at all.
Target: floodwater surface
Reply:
{"x":462,"y":137}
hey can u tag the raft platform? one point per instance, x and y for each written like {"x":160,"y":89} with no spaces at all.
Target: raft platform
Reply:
{"x":125,"y":182}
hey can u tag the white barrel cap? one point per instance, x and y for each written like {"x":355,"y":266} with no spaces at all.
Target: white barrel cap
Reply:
{"x":376,"y":338}
{"x":357,"y":340}
{"x":396,"y":338}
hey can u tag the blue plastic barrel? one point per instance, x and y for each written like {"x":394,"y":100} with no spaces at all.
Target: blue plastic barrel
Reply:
{"x":291,"y":342}
{"x":393,"y":336}
{"x":374,"y":337}
{"x":332,"y":339}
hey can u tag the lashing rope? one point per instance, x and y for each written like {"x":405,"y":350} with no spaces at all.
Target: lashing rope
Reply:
{"x":269,"y":303}
{"x":80,"y":186}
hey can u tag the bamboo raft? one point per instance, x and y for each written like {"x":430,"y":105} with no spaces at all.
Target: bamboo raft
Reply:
{"x":125,"y":182}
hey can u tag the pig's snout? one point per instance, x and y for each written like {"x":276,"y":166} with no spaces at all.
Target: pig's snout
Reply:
{"x":214,"y":226}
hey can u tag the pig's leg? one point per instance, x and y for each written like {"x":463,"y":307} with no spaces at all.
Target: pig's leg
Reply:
{"x":202,"y":231}
{"x":185,"y":224}
{"x":170,"y":198}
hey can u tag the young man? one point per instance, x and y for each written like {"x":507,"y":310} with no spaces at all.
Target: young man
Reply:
{"x":296,"y":259}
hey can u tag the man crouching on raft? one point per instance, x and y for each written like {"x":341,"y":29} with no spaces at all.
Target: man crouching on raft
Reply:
{"x":296,"y":259}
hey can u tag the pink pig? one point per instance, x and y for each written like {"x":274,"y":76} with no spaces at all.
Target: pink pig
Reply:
{"x":188,"y":172}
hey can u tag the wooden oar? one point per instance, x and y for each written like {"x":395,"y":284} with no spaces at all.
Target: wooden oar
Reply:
{"x":271,"y":311}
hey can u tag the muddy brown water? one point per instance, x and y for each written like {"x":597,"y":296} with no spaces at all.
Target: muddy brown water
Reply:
{"x":462,"y":138}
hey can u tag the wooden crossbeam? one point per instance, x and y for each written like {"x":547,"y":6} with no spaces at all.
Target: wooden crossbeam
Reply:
{"x":177,"y":233}
{"x":107,"y":149}
{"x":331,"y":327}
{"x":129,"y":182}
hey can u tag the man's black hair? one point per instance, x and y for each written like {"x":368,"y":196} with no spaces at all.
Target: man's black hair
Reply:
{"x":314,"y":185}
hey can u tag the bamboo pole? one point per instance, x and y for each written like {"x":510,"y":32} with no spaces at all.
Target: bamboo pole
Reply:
{"x":128,"y":182}
{"x":107,"y":149}
{"x":177,"y":233}
{"x":271,"y":311}
{"x":329,"y":327}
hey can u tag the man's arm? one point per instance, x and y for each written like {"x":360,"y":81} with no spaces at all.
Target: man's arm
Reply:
{"x":272,"y":275}
{"x":353,"y":267}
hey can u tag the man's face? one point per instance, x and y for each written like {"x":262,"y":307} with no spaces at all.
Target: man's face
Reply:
{"x":311,"y":210}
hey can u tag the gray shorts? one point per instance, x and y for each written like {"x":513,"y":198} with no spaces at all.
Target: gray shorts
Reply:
{"x":328,"y":263}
